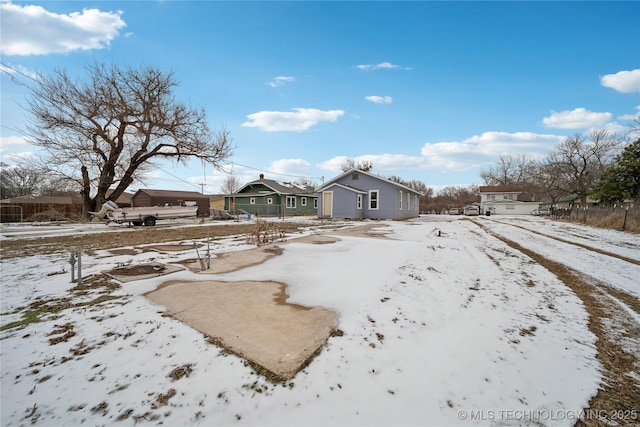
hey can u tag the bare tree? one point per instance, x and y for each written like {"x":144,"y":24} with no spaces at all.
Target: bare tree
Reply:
{"x":350,"y":163}
{"x":455,"y":196}
{"x":19,"y":180}
{"x":577,"y":163}
{"x":509,"y":170}
{"x":230,"y":184}
{"x":110,"y":128}
{"x":305,"y":182}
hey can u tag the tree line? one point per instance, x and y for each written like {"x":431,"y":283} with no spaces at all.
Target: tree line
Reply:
{"x":600,"y":165}
{"x":100,"y":134}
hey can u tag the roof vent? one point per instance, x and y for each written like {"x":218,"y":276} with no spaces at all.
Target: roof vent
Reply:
{"x":261,"y":176}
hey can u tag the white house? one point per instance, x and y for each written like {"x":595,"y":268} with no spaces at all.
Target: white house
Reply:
{"x":506,"y":200}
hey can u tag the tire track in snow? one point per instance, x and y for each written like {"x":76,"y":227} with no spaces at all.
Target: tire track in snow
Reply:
{"x":581,"y":245}
{"x":619,"y":390}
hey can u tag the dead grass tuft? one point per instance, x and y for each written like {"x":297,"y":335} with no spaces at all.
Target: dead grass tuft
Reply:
{"x":181,"y":372}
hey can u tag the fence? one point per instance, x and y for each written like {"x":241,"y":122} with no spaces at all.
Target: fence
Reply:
{"x":272,"y":210}
{"x":41,"y":212}
{"x":11,"y":213}
{"x":626,"y":218}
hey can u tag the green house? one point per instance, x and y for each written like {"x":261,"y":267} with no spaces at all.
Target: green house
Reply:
{"x":266,"y":197}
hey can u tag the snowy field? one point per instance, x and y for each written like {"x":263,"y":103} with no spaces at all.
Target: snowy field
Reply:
{"x":444,"y":325}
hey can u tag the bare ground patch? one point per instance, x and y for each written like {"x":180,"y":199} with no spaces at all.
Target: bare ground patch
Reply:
{"x":141,"y":271}
{"x":251,"y":319}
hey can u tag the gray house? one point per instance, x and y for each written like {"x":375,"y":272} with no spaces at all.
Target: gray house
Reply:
{"x":357,"y":195}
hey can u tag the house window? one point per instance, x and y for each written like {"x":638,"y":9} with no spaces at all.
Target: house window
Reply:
{"x":252,"y":201}
{"x":508,"y":197}
{"x":492,"y":196}
{"x":315,"y":203}
{"x":269,"y":200}
{"x":291,"y":202}
{"x":374,"y":199}
{"x":359,"y":201}
{"x":303,"y":201}
{"x":400,"y":199}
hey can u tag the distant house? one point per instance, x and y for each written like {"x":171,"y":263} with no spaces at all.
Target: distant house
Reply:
{"x":147,"y":197}
{"x":356,"y":194}
{"x":506,"y":200}
{"x":266,"y":197}
{"x":124,"y":201}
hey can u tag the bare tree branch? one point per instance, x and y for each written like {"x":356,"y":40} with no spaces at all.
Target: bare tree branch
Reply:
{"x":107,"y":130}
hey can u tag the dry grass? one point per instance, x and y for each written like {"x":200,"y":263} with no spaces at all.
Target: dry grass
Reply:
{"x":132,"y":237}
{"x":612,"y":221}
{"x":618,"y":394}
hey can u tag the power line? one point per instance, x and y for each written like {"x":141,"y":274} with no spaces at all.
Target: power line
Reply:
{"x":274,"y":173}
{"x":13,"y":78}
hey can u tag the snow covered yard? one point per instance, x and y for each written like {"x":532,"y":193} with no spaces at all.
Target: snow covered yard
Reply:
{"x":442,"y":324}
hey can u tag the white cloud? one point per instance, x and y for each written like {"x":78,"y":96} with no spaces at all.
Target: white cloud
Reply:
{"x":380,"y":66}
{"x":458,"y":156}
{"x":479,"y":150}
{"x":280,"y":80}
{"x":13,"y":140}
{"x":379,"y":99}
{"x":627,"y":117}
{"x":298,"y":167}
{"x":16,"y":157}
{"x":381,"y":162}
{"x":622,"y":81}
{"x":579,"y":118}
{"x":632,"y":116}
{"x":32,"y":30}
{"x":300,"y":120}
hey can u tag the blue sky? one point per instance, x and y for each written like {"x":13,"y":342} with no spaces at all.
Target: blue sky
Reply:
{"x":432,"y":91}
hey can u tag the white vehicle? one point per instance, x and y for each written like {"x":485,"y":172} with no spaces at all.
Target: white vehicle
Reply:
{"x":471,"y":210}
{"x":144,"y":215}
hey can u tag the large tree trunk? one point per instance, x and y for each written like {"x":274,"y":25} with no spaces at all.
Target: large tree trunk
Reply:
{"x":88,"y":204}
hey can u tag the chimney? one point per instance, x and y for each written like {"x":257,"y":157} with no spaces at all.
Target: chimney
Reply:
{"x":261,"y":176}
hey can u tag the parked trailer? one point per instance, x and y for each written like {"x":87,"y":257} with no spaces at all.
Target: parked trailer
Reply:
{"x":144,"y":215}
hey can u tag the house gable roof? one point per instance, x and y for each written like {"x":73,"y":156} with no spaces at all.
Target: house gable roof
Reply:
{"x":277,"y":187}
{"x":353,"y":170}
{"x":345,"y":186}
{"x":501,"y":189}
